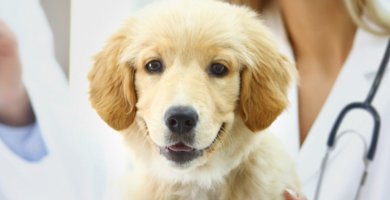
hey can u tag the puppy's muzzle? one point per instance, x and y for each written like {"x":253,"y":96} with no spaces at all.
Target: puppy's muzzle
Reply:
{"x":181,"y":120}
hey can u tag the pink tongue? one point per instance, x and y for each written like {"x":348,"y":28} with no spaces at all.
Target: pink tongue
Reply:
{"x":180,"y":147}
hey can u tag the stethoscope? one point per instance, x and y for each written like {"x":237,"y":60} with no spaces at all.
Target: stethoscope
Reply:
{"x":368,"y":107}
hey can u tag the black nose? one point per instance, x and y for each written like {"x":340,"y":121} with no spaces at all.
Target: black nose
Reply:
{"x":181,"y":119}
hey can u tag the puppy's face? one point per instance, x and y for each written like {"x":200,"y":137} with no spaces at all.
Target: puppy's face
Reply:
{"x":184,"y":72}
{"x":187,"y":91}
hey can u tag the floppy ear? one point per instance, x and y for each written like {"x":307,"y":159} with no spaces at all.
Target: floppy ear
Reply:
{"x":265,"y":80}
{"x":112,"y":91}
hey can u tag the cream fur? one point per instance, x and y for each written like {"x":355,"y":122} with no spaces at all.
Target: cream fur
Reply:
{"x":187,"y":36}
{"x":247,"y":166}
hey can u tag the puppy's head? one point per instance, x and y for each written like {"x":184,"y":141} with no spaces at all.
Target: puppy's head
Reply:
{"x":183,"y":73}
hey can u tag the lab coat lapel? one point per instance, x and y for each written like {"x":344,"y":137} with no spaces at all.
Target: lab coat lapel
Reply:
{"x":352,"y":84}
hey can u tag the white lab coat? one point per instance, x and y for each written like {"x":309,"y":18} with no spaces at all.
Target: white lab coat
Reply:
{"x":73,"y":168}
{"x":345,"y":164}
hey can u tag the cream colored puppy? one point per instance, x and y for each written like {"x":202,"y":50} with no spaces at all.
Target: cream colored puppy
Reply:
{"x":192,"y":85}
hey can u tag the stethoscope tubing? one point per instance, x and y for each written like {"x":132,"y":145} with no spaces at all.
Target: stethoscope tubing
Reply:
{"x":379,"y":75}
{"x":368,"y":107}
{"x":373,"y":112}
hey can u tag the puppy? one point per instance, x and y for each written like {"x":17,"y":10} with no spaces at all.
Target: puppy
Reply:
{"x":193,"y":85}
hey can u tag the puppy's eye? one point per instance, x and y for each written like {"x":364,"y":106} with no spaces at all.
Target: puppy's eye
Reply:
{"x":154,"y":66}
{"x":218,"y":70}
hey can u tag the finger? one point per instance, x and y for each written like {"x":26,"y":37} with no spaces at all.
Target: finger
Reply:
{"x":290,"y":195}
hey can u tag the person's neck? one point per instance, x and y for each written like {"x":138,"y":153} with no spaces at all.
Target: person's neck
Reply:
{"x":320,"y":31}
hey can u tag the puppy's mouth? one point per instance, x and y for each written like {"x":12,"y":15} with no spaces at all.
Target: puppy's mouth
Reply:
{"x":180,"y":147}
{"x":182,"y":153}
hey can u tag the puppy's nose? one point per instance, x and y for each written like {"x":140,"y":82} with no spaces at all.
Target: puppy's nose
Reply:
{"x":181,"y":119}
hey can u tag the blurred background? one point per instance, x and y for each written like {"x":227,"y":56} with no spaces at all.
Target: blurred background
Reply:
{"x":58,"y":14}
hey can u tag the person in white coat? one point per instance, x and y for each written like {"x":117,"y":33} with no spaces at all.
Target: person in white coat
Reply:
{"x":44,"y":150}
{"x":337,"y":60}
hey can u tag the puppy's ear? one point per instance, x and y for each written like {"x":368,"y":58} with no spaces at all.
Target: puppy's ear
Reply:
{"x":112,"y":91}
{"x":265,"y":80}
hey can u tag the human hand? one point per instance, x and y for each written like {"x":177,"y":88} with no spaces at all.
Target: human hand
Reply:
{"x":15,"y":108}
{"x":291,"y":195}
{"x":10,"y":72}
